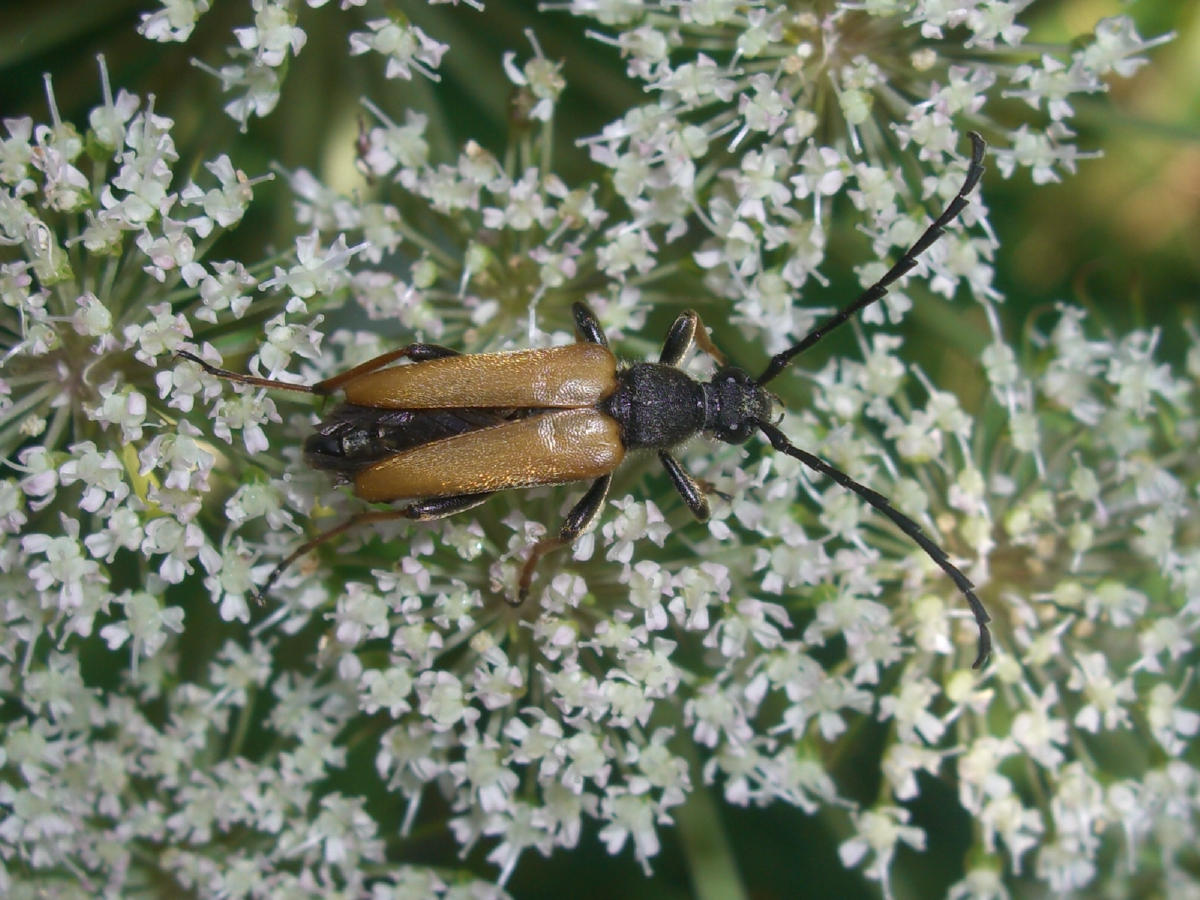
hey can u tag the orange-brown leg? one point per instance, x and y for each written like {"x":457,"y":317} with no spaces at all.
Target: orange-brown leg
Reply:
{"x":686,"y":329}
{"x":582,"y":515}
{"x":244,"y":379}
{"x":421,"y":511}
{"x":415,"y":352}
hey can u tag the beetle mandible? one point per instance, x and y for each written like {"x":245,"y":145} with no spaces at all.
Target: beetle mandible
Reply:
{"x":449,"y":430}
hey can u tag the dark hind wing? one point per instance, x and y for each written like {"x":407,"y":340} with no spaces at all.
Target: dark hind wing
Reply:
{"x":353,"y":437}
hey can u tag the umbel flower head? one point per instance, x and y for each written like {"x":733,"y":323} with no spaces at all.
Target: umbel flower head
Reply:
{"x":388,"y":691}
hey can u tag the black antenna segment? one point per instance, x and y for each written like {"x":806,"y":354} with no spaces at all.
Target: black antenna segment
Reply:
{"x":903,"y":265}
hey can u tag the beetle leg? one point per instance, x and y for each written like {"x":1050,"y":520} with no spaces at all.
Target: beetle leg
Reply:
{"x":421,"y":511}
{"x":709,"y":488}
{"x":692,"y":491}
{"x":415,"y":352}
{"x":254,"y":380}
{"x":582,"y":515}
{"x":441,"y":507}
{"x":587,"y":326}
{"x":686,"y":329}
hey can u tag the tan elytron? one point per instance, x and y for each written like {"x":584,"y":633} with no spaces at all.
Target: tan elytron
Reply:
{"x":551,"y":448}
{"x":555,"y":377}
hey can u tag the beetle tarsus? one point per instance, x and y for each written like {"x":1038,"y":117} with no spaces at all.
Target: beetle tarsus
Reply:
{"x":254,"y":380}
{"x":536,"y":552}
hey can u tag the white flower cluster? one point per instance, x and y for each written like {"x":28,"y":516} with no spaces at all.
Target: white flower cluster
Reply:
{"x":259,"y":59}
{"x":765,"y":112}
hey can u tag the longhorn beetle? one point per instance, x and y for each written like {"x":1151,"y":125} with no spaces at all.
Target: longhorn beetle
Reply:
{"x":449,"y":430}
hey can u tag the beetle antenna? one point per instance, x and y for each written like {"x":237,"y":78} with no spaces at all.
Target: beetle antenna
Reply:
{"x":780,"y":442}
{"x":244,"y":379}
{"x":902,"y":266}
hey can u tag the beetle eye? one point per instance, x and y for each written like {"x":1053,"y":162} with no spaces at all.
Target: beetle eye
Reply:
{"x":736,"y":434}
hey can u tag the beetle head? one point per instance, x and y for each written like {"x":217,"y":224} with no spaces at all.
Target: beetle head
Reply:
{"x":734,"y":405}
